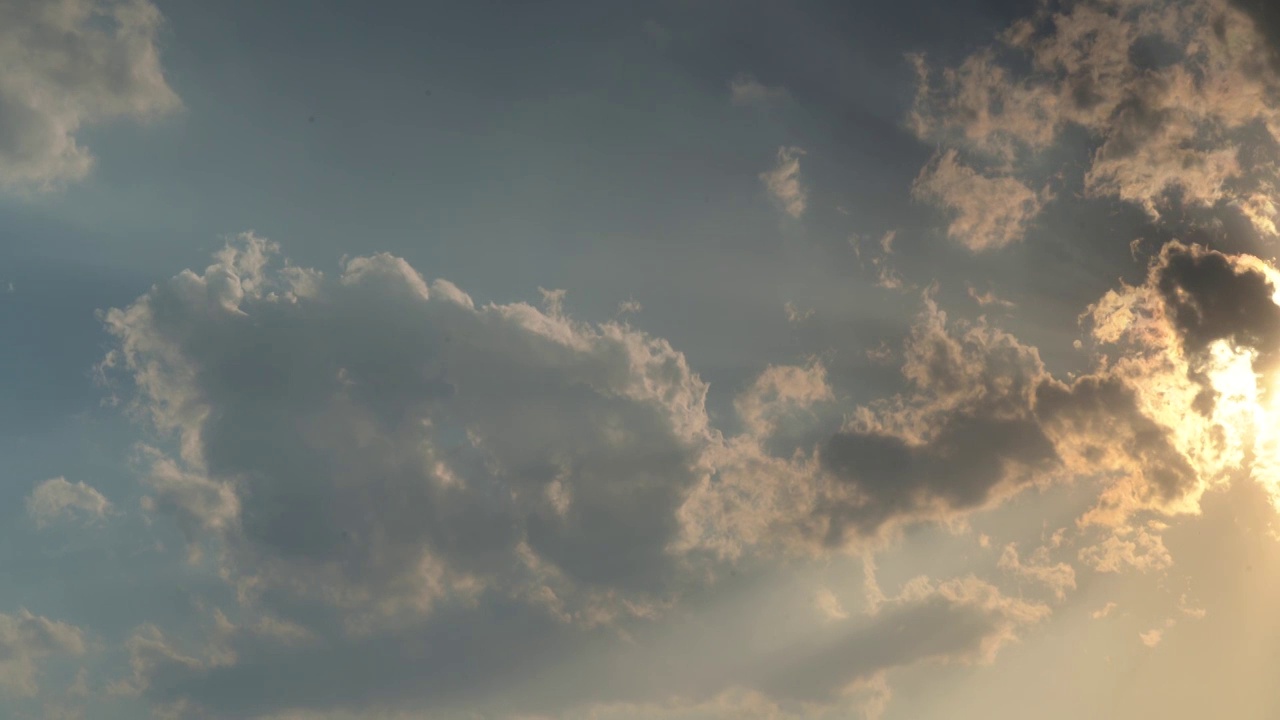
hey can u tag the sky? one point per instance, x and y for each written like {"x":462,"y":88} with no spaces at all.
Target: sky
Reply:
{"x":676,"y":360}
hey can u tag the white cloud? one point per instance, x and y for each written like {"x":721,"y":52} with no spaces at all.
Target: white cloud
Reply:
{"x":1103,"y":611}
{"x":783,"y":182}
{"x":55,"y":498}
{"x":69,"y":64}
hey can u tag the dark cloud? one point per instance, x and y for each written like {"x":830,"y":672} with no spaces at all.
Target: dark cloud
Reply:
{"x":1211,"y":296}
{"x":367,"y":449}
{"x":461,"y":659}
{"x":965,"y":435}
{"x":1266,"y":17}
{"x":1097,"y":422}
{"x":961,"y":466}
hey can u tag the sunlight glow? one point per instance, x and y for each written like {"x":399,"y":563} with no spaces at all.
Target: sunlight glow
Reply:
{"x":1247,"y":413}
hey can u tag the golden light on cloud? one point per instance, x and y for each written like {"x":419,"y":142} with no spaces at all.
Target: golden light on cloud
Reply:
{"x":1246,"y":415}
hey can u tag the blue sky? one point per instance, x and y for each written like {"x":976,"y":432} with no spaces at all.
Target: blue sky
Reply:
{"x":638,"y":360}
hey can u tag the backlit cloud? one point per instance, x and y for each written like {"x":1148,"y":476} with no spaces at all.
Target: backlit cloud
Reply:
{"x":1166,"y":126}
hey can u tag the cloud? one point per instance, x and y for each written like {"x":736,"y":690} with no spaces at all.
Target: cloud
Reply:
{"x":988,"y":213}
{"x":1167,"y":95}
{"x":369,"y":450}
{"x":25,"y":640}
{"x":1138,"y":549}
{"x":1171,"y":412}
{"x":375,"y":459}
{"x":829,"y":605}
{"x":69,"y":64}
{"x":796,"y":316}
{"x":962,"y":620}
{"x":1152,"y":637}
{"x":1266,"y":20}
{"x":964,"y":438}
{"x":1194,"y":342}
{"x":55,"y":498}
{"x":285,"y":387}
{"x":878,"y":253}
{"x":1057,"y":577}
{"x":990,"y":299}
{"x":1103,"y":611}
{"x":783,"y":182}
{"x":744,"y":89}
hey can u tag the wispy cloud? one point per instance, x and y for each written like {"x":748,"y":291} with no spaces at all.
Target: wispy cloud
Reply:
{"x":56,"y":498}
{"x":744,"y":89}
{"x":783,"y":182}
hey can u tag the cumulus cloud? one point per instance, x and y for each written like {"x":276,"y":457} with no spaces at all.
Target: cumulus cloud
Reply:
{"x":26,"y":640}
{"x":69,"y":64}
{"x":1176,"y":407}
{"x":55,"y":498}
{"x":964,"y":438}
{"x":783,"y":182}
{"x":392,"y":444}
{"x":374,"y":449}
{"x":376,"y":457}
{"x":1164,"y":125}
